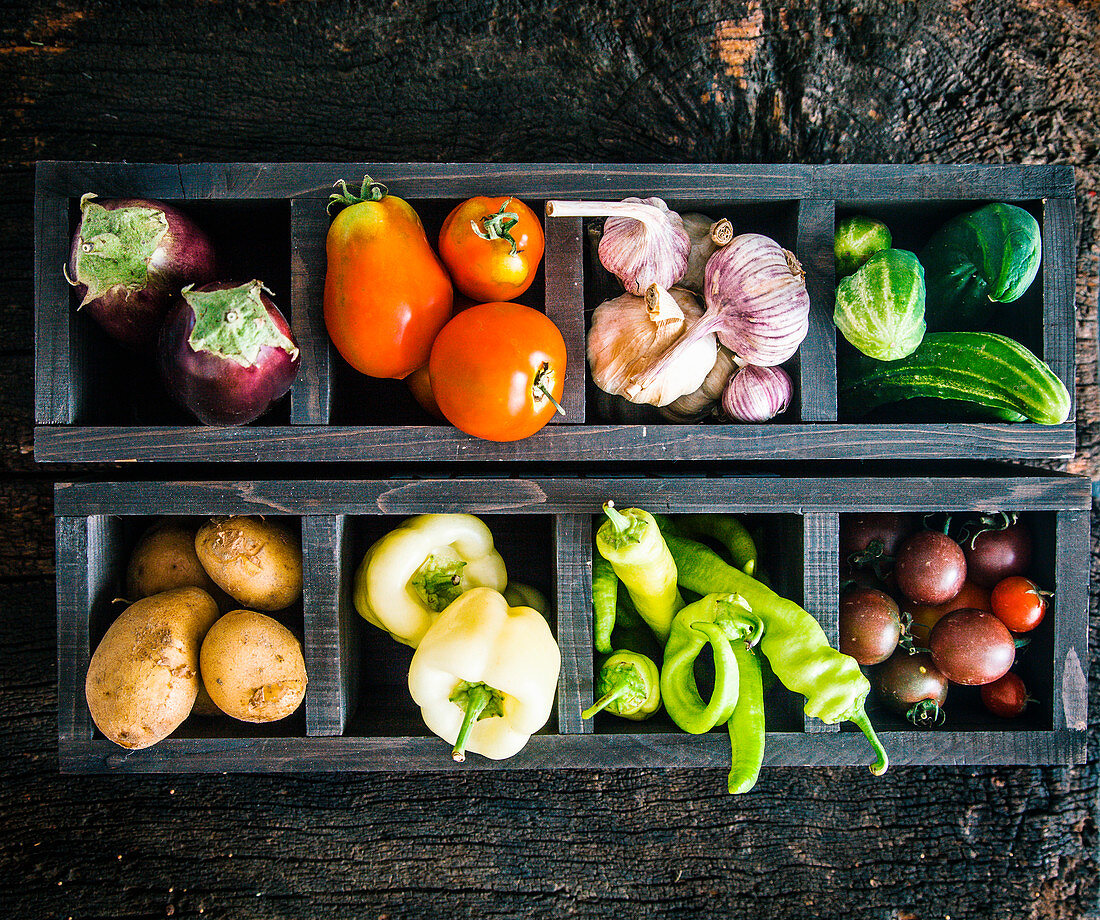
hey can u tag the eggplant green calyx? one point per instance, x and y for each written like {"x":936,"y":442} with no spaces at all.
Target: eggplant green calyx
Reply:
{"x":234,"y":324}
{"x":438,"y":582}
{"x":498,"y":226}
{"x":477,"y":701}
{"x":625,"y":528}
{"x":370,"y":191}
{"x":116,"y":247}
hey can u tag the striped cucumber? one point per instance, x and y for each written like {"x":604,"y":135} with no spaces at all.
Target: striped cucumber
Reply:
{"x":978,"y":367}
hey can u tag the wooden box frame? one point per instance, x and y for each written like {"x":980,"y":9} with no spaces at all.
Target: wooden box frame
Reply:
{"x":338,"y":517}
{"x":75,"y":363}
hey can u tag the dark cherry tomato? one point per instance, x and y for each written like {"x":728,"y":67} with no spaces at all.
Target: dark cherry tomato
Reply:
{"x":912,"y":686}
{"x":870,"y":625}
{"x":1018,"y":603}
{"x":993,"y":555}
{"x":972,"y":646}
{"x":923,"y":617}
{"x":930,"y":568}
{"x":1005,"y":697}
{"x":858,"y":531}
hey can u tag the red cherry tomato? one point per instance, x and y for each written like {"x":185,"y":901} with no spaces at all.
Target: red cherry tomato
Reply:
{"x":492,"y":367}
{"x":1018,"y":603}
{"x":492,"y":247}
{"x":1005,"y":697}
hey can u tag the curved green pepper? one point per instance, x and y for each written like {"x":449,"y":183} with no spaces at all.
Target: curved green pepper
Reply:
{"x":629,"y":686}
{"x":605,"y":592}
{"x":728,"y":531}
{"x":746,"y":725}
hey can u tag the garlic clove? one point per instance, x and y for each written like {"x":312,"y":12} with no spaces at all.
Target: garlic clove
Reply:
{"x":707,"y":237}
{"x":696,"y":406}
{"x":757,"y":394}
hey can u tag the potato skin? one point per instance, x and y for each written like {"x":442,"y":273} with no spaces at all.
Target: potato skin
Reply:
{"x":144,"y":675}
{"x":253,"y":667}
{"x":256,"y":562}
{"x":165,"y":558}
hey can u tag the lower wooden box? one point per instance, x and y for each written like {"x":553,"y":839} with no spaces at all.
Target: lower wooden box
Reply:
{"x":358,"y":714}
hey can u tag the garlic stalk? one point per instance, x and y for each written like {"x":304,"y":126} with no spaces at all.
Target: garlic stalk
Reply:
{"x":707,"y":237}
{"x":694,"y":407}
{"x":629,"y":333}
{"x":643,"y":242}
{"x":756,"y":394}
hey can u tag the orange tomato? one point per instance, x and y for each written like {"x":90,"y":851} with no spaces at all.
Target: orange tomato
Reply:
{"x":386,"y":293}
{"x":489,"y":366}
{"x":420,"y":385}
{"x":925,"y":617}
{"x":492,"y":247}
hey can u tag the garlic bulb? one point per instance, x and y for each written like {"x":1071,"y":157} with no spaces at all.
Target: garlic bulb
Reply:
{"x":694,"y":407}
{"x":630,"y":333}
{"x":756,"y":394}
{"x":643,"y":242}
{"x":707,"y":237}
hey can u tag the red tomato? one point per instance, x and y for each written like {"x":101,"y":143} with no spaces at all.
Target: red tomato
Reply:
{"x":1018,"y":603}
{"x":492,"y":247}
{"x":1005,"y":697}
{"x":488,"y":367}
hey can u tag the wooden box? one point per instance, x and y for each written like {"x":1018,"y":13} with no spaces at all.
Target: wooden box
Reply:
{"x":358,"y":714}
{"x":95,"y":404}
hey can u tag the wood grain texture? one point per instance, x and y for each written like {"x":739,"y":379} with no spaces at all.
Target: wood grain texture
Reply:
{"x":817,"y":354}
{"x":311,"y":393}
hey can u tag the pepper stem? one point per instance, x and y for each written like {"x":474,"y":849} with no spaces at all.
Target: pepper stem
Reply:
{"x":478,"y":696}
{"x":621,"y":689}
{"x":860,"y":720}
{"x":619,"y":522}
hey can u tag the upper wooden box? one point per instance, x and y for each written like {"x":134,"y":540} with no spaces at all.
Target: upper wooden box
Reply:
{"x":96,"y":404}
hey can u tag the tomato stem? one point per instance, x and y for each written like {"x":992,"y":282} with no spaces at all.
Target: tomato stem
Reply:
{"x":498,"y":226}
{"x":370,"y":191}
{"x":546,"y":374}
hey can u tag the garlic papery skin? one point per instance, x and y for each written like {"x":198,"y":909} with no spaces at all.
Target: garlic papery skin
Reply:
{"x":694,"y":407}
{"x":643,"y":242}
{"x":628,"y":334}
{"x":757,"y":394}
{"x":707,"y":237}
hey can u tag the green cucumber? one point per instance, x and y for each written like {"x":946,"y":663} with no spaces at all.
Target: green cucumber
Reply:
{"x":977,"y":367}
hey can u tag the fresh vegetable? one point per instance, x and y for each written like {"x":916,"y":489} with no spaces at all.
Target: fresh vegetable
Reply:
{"x":1006,"y":697}
{"x":870,"y":625}
{"x":697,"y":405}
{"x":757,"y":394}
{"x":144,"y":674}
{"x":977,"y":260}
{"x":972,"y":646}
{"x":632,"y":633}
{"x":880,"y":308}
{"x":643,"y":242}
{"x":977,"y":367}
{"x":518,"y":594}
{"x":996,"y":546}
{"x":1018,"y":603}
{"x":878,"y":534}
{"x":628,"y":685}
{"x":226,"y":353}
{"x":386,"y":293}
{"x":129,"y":259}
{"x":924,"y":616}
{"x":498,"y":371}
{"x":410,"y":575}
{"x":856,"y":240}
{"x":632,"y":542}
{"x":707,"y":237}
{"x":419,"y":383}
{"x":930,"y":568}
{"x":912,"y":686}
{"x":252,"y":667}
{"x":484,"y":675}
{"x":725,"y":529}
{"x":491,"y":247}
{"x":605,"y":598}
{"x":165,"y":558}
{"x":628,"y":334}
{"x":793,"y":641}
{"x":746,"y":726}
{"x":255,"y":561}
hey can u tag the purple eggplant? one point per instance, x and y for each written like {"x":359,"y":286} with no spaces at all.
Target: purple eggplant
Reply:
{"x":226,"y":353}
{"x":130,"y":258}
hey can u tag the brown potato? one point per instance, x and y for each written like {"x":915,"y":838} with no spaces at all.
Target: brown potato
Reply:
{"x":253,"y":667}
{"x":257,"y":562}
{"x":165,"y":558}
{"x":144,"y":675}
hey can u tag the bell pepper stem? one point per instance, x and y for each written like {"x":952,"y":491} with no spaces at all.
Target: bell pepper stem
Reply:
{"x":860,"y":720}
{"x":619,"y":521}
{"x":477,"y":699}
{"x":620,"y":690}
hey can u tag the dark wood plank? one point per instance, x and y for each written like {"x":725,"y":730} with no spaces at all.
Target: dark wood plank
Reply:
{"x":73,"y":602}
{"x":328,"y":666}
{"x":1071,"y":612}
{"x":311,"y":394}
{"x":565,"y":306}
{"x":817,"y":354}
{"x":924,"y":181}
{"x":573,"y":587}
{"x":1060,"y":293}
{"x":821,"y":567}
{"x":58,"y":375}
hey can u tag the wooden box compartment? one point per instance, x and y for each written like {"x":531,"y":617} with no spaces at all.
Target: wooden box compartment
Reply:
{"x":96,"y":404}
{"x":357,"y":712}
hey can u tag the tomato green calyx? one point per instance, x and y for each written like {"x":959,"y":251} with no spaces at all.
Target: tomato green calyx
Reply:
{"x":925,"y":714}
{"x":544,"y":383}
{"x":370,"y":191}
{"x":498,"y":226}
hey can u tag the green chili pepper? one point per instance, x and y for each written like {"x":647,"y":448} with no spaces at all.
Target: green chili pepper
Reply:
{"x":720,"y":619}
{"x":794,"y":643}
{"x":605,"y":592}
{"x":631,"y":541}
{"x":629,"y":686}
{"x":746,"y":725}
{"x":728,"y":531}
{"x":631,"y":634}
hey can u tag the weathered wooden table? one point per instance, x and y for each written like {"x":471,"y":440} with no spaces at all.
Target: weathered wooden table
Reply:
{"x":752,"y":81}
